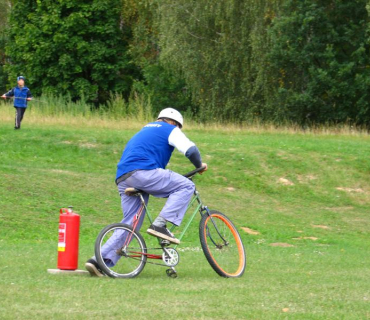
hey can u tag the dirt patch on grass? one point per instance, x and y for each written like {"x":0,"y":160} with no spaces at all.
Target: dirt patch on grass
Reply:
{"x":306,"y":238}
{"x":285,"y":182}
{"x":339,"y":209}
{"x":63,"y":172}
{"x":221,"y":177}
{"x":87,"y":145}
{"x":230,"y":189}
{"x":281,"y":244}
{"x":306,"y":178}
{"x":351,"y":190}
{"x":320,"y":226}
{"x":283,"y":155}
{"x":250,"y":231}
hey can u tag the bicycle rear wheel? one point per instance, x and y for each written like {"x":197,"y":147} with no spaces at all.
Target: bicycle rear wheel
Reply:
{"x":120,"y":251}
{"x":222,"y":245}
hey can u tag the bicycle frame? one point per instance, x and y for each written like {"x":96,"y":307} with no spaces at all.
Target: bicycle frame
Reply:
{"x":199,"y":208}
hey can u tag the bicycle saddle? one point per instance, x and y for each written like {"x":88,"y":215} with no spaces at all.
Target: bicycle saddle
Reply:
{"x":132,"y":191}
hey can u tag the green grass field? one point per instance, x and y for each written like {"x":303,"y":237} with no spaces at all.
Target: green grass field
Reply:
{"x":306,"y":196}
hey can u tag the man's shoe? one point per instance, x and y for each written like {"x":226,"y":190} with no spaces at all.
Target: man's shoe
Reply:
{"x":163,"y":233}
{"x":92,"y":266}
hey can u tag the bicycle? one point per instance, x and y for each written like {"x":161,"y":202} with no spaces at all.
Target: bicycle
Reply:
{"x":220,"y":241}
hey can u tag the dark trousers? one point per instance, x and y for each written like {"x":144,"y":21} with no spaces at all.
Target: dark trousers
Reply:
{"x":19,"y":112}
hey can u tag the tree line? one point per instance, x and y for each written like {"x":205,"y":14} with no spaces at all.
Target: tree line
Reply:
{"x":301,"y":61}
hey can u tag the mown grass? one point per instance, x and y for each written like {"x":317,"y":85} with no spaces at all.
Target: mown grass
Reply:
{"x":310,"y":191}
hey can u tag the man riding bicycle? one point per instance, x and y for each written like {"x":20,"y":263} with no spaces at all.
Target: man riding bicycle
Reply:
{"x":142,"y":166}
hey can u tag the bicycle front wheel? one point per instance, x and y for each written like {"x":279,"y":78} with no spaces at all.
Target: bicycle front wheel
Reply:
{"x":120,"y":251}
{"x":222,"y":245}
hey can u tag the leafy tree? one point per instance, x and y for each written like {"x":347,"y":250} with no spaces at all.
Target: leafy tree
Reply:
{"x":303,"y":61}
{"x":306,"y":61}
{"x":219,"y":48}
{"x":71,"y":47}
{"x":198,"y":41}
{"x":320,"y":56}
{"x":4,"y":11}
{"x":158,"y":81}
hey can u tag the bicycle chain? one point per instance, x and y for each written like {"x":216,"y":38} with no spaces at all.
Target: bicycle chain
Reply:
{"x":157,"y":264}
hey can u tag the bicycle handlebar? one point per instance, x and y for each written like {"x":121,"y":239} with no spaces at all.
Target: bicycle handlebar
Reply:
{"x":191,"y":173}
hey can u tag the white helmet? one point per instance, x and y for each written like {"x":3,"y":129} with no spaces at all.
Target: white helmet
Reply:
{"x":172,"y":114}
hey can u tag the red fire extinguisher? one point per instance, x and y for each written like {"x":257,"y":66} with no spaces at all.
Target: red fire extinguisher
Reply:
{"x":69,"y":227}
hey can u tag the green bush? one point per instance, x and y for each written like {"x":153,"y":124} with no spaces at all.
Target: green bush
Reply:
{"x":320,"y":54}
{"x":285,"y":61}
{"x":74,"y":47}
{"x":3,"y":25}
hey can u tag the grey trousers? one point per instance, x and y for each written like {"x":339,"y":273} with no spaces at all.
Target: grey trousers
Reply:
{"x":161,"y":184}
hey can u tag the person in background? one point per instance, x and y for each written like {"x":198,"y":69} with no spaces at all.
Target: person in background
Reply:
{"x":21,"y":96}
{"x":142,"y":166}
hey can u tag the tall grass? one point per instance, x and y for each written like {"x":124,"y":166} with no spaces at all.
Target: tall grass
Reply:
{"x":118,"y":112}
{"x":138,"y":107}
{"x":62,"y":110}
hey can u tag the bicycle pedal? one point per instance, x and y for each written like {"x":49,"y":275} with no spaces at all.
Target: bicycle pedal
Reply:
{"x":165,"y":243}
{"x":171,"y":273}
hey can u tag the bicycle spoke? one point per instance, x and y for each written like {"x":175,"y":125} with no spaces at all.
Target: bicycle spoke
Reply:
{"x":120,"y":251}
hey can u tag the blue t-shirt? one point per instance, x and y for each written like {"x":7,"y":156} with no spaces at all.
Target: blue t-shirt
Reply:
{"x":148,"y":149}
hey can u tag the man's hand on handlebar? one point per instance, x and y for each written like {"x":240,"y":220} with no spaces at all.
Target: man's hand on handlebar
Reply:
{"x":200,"y":170}
{"x":205,"y":169}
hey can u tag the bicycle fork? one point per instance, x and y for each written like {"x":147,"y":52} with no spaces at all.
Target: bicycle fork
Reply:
{"x":204,"y":210}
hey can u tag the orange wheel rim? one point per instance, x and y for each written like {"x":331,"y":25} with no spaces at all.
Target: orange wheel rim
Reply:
{"x":239,"y":244}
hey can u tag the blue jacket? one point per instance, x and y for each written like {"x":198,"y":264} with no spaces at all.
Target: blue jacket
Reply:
{"x":148,"y":149}
{"x":20,"y":95}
